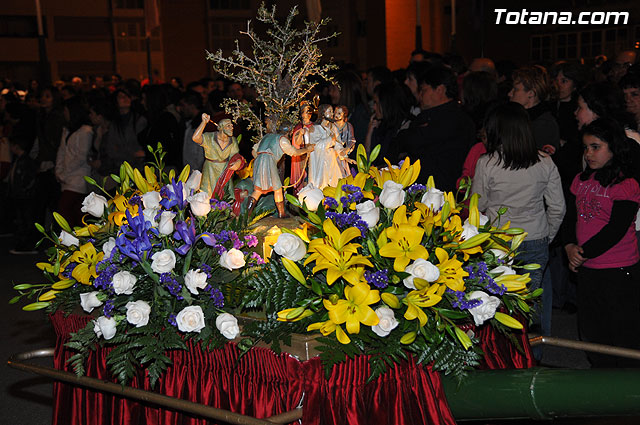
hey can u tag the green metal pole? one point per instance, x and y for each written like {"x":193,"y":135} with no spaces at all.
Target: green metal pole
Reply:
{"x":541,"y":393}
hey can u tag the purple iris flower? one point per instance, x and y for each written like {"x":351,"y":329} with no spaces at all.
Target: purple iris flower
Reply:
{"x":185,"y":232}
{"x":172,"y":195}
{"x":134,"y":240}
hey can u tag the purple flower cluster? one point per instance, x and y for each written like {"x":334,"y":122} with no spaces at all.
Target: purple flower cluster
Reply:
{"x":219,"y":205}
{"x":68,"y":270}
{"x":105,"y":275}
{"x":346,"y":220}
{"x":108,"y":308}
{"x":461,"y":302}
{"x":172,"y":285}
{"x":354,"y":194}
{"x":172,"y":320}
{"x":379,"y":279}
{"x":216,"y":296}
{"x":330,"y":203}
{"x":136,"y":200}
{"x":251,"y":240}
{"x":257,"y":258}
{"x":416,"y":187}
{"x":205,"y":268}
{"x":481,"y":273}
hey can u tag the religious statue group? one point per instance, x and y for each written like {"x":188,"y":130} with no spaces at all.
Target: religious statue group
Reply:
{"x":319,"y":155}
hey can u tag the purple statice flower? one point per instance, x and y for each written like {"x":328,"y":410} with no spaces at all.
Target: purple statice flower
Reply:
{"x":257,"y":258}
{"x":172,"y":285}
{"x":219,"y":205}
{"x":346,"y":220}
{"x":481,"y":272}
{"x":219,"y":249}
{"x":379,"y":279}
{"x":136,"y":200}
{"x":330,"y":203}
{"x":105,"y":277}
{"x":205,"y":268}
{"x":107,"y":310}
{"x":354,"y":194}
{"x":216,"y":296}
{"x":251,"y":240}
{"x":416,"y":187}
{"x":461,"y":302}
{"x":173,"y":195}
{"x":68,"y":270}
{"x":172,"y":320}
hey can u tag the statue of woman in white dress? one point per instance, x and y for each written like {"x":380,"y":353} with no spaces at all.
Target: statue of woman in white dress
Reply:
{"x":324,"y":167}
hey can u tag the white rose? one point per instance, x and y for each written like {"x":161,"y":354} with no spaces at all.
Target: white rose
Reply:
{"x":232,"y":259}
{"x":199,"y":203}
{"x":191,"y":319}
{"x":486,"y":310}
{"x":89,"y":301}
{"x":369,"y":213}
{"x":433,"y":199}
{"x":193,"y":182}
{"x":165,"y":227}
{"x":151,"y":200}
{"x":124,"y":282}
{"x":163,"y":261}
{"x":67,"y":239}
{"x":421,"y":269}
{"x":468,"y":231}
{"x":150,"y":215}
{"x":105,"y":327}
{"x":108,"y":246}
{"x":386,"y":322}
{"x":392,"y":195}
{"x":138,"y":313}
{"x":311,"y":196}
{"x":290,"y":246}
{"x":227,"y":325}
{"x":94,"y":204}
{"x":502,"y":270}
{"x":194,"y":280}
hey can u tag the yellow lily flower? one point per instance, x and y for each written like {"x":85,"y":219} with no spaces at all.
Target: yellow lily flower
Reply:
{"x":327,"y":328}
{"x":121,"y":205}
{"x":405,"y":245}
{"x":355,"y":308}
{"x":405,"y":175}
{"x":335,"y":254}
{"x":87,"y":258}
{"x":400,"y":216}
{"x":86,"y":231}
{"x":451,"y":272}
{"x":293,"y":314}
{"x":303,"y":232}
{"x":417,"y":300}
{"x":152,"y":179}
{"x":513,"y":282}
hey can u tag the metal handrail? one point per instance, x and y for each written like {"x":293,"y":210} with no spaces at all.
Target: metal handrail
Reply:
{"x":585,"y":346}
{"x":20,"y":362}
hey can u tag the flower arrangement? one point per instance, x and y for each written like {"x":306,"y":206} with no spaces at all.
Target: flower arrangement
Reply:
{"x":156,"y":262}
{"x":385,"y":266}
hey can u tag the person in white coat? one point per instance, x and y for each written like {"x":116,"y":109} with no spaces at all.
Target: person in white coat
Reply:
{"x":72,"y":160}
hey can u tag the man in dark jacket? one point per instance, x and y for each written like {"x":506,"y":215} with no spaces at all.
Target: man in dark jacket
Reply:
{"x":442,"y":134}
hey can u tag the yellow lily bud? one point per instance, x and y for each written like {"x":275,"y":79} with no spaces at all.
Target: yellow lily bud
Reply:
{"x":293,"y":270}
{"x":408,"y":338}
{"x":390,"y":300}
{"x":462,"y":337}
{"x":507,"y":320}
{"x":184,"y":175}
{"x":48,"y":296}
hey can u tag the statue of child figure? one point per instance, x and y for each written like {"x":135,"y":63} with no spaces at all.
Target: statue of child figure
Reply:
{"x":220,"y":148}
{"x":345,"y":129}
{"x":266,"y":178}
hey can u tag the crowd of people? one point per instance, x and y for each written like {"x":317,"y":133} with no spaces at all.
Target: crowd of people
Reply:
{"x":557,"y":145}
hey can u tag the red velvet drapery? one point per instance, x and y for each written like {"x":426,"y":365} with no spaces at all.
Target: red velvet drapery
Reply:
{"x":263,"y":384}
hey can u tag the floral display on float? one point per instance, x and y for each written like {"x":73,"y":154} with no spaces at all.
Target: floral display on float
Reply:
{"x":156,"y":262}
{"x":385,"y":266}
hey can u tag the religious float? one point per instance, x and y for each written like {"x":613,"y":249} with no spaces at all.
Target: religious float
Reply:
{"x":351,"y":310}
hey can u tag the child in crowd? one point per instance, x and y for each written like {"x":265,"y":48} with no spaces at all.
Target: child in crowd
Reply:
{"x":602,"y":244}
{"x":22,"y":196}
